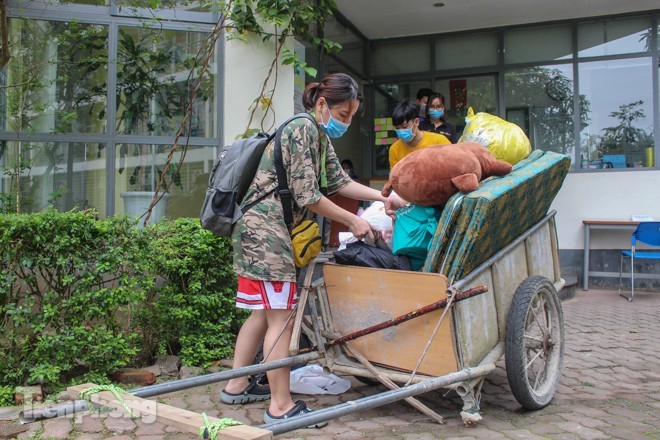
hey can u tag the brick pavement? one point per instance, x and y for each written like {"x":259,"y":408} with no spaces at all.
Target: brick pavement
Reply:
{"x":610,"y":388}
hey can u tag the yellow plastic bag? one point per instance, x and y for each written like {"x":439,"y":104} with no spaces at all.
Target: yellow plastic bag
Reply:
{"x":504,"y":139}
{"x":306,"y":242}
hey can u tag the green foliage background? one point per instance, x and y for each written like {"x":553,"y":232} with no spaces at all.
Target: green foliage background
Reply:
{"x":80,"y":297}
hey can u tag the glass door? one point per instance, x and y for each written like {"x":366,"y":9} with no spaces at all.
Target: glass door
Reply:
{"x":478,"y":92}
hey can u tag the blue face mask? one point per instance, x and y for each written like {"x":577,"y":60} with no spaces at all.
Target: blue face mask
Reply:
{"x":334,"y":128}
{"x":436,"y":114}
{"x":405,"y":134}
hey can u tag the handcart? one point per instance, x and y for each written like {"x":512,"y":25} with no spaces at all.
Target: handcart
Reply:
{"x":488,"y":288}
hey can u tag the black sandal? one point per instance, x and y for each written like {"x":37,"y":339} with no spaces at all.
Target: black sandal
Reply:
{"x":299,"y":409}
{"x":254,"y":392}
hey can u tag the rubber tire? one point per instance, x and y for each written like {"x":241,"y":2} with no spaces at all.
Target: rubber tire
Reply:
{"x":528,"y":293}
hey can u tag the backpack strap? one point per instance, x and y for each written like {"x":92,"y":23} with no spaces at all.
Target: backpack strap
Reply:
{"x":282,"y":187}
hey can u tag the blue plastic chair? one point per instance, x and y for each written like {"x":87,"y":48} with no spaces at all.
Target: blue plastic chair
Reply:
{"x":647,"y":233}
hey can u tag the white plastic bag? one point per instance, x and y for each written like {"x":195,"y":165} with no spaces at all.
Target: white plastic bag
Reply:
{"x":311,"y":379}
{"x":380,"y":221}
{"x":344,"y":239}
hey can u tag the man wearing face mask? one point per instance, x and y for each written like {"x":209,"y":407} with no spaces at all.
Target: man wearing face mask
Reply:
{"x":422,"y":100}
{"x":411,"y":138}
{"x":435,"y":118}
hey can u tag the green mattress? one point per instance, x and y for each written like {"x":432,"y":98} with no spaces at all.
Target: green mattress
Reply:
{"x":475,"y":226}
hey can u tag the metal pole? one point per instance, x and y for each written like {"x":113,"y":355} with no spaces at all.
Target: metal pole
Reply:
{"x":377,"y":400}
{"x":172,"y":386}
{"x":183,"y":384}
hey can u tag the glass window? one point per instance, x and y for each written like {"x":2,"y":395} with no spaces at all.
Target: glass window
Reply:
{"x":617,"y":109}
{"x":540,"y":100}
{"x":352,"y":50}
{"x":353,"y":55}
{"x":56,"y":79}
{"x":81,"y":2}
{"x":138,"y":170}
{"x":389,"y":95}
{"x":153,"y":84}
{"x":407,"y":57}
{"x":466,"y":51}
{"x":63,"y":175}
{"x":538,"y":44}
{"x":478,"y":92}
{"x":386,"y":97}
{"x":614,"y":37}
{"x":176,"y":10}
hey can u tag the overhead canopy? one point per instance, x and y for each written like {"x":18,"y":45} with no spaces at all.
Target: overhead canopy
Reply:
{"x":378,"y":19}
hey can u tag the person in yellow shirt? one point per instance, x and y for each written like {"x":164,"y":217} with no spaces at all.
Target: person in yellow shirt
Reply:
{"x":405,"y":119}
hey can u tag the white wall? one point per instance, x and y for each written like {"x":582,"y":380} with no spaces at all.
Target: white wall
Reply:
{"x":604,"y":196}
{"x":245,"y":70}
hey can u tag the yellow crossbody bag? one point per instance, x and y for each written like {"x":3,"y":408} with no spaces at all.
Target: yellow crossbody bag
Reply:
{"x":306,"y":242}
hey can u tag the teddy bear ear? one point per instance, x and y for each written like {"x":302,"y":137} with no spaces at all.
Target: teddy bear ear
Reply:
{"x":466,"y":182}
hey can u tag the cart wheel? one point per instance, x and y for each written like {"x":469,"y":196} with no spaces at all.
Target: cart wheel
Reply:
{"x":534,"y":343}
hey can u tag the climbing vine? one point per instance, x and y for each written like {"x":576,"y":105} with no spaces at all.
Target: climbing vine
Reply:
{"x":271,"y":20}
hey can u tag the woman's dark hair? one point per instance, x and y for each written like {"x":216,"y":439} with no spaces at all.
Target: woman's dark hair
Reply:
{"x":435,"y":95}
{"x":336,"y":88}
{"x":404,"y":111}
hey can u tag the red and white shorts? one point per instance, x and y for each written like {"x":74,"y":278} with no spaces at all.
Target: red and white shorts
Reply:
{"x":266,"y":295}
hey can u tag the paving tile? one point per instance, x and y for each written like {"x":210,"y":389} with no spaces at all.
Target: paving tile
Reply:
{"x":120,"y":424}
{"x":610,"y":388}
{"x":145,"y":429}
{"x":58,"y":428}
{"x":89,"y":423}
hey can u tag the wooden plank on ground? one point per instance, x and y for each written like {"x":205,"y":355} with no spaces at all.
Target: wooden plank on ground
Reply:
{"x":182,"y":419}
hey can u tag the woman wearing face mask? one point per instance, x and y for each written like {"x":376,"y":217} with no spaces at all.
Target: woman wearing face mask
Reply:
{"x":411,"y":138}
{"x":435,"y":118}
{"x":263,"y":257}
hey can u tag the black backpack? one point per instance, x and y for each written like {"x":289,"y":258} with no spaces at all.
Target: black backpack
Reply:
{"x":232,"y":175}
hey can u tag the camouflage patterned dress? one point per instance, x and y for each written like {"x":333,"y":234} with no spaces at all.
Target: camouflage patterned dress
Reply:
{"x":261,"y":241}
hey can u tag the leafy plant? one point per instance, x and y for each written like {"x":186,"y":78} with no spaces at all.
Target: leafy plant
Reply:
{"x":80,"y":298}
{"x":625,"y":136}
{"x":279,"y":20}
{"x":6,"y":395}
{"x":145,"y":94}
{"x":68,"y":289}
{"x":197,"y":293}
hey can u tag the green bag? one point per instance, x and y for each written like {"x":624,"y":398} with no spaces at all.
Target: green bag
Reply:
{"x":413,"y":231}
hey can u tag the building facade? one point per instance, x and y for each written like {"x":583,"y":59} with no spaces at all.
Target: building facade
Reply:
{"x":93,"y":97}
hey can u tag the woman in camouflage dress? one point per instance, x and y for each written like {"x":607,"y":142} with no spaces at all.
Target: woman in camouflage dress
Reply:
{"x":263,"y":258}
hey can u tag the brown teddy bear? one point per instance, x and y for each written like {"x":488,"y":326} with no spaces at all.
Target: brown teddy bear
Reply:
{"x":430,"y":176}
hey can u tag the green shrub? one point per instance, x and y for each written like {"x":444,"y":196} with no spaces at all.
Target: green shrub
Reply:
{"x":69,"y":285}
{"x":191,"y":312}
{"x":6,"y":395}
{"x":80,"y":297}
